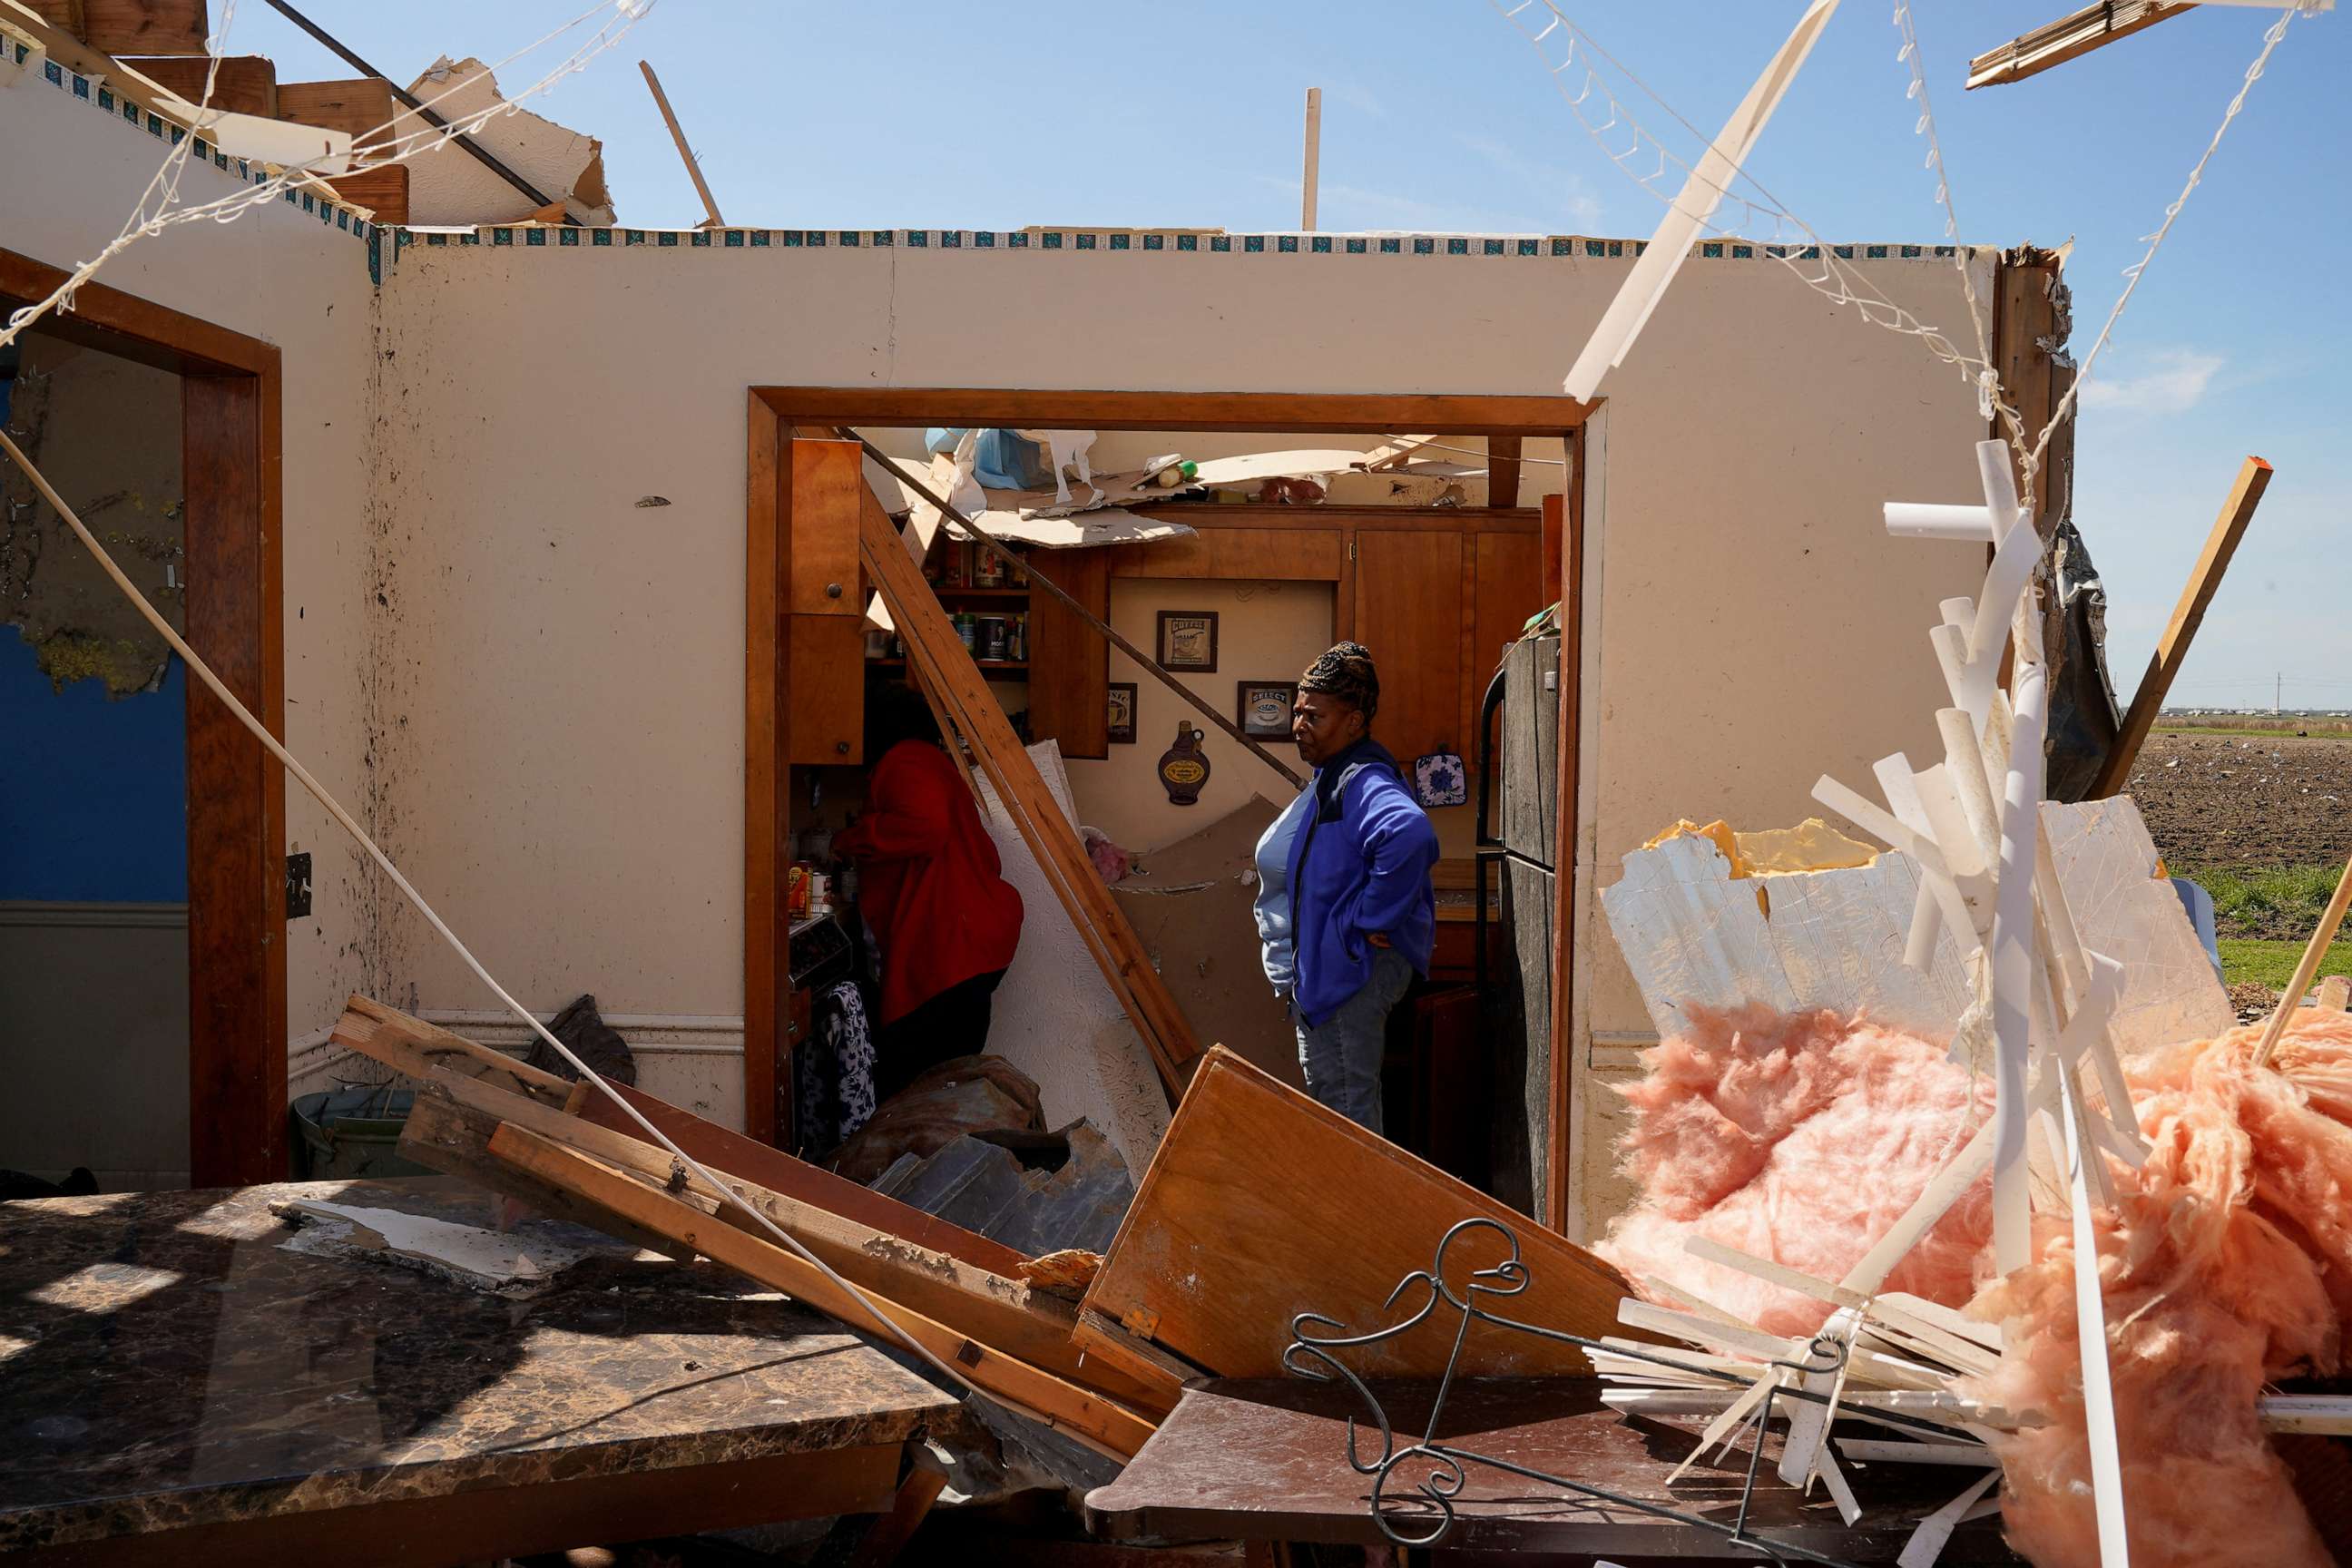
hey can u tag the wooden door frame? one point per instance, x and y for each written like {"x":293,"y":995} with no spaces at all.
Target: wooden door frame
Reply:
{"x":773,"y":412}
{"x":230,"y":464}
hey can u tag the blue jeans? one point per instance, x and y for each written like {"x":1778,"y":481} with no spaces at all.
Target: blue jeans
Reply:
{"x":1341,"y":1054}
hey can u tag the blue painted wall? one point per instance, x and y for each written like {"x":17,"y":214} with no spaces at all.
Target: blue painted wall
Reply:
{"x":93,"y":793}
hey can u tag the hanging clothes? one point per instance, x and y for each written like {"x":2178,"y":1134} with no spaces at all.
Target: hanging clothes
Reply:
{"x":833,"y":1074}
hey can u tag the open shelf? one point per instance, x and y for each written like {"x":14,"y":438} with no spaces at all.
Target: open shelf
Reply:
{"x":987,"y":666}
{"x":945,"y":593}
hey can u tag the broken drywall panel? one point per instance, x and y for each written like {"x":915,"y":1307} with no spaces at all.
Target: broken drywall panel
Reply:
{"x":449,"y":187}
{"x":1189,"y":904}
{"x":1055,"y":1018}
{"x":1694,"y":934}
{"x":497,"y":1264}
{"x":106,"y":432}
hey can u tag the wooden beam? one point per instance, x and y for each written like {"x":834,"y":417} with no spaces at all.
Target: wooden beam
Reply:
{"x":2315,"y":952}
{"x":1097,"y":1421}
{"x":414,"y":1046}
{"x":356,"y":105}
{"x":382,"y":189}
{"x":131,"y":27}
{"x":2335,"y":993}
{"x":999,"y":1311}
{"x":678,"y":136}
{"x":731,"y":1153}
{"x":2069,"y":38}
{"x":1502,"y":471}
{"x":948,"y":670}
{"x":446,"y":1134}
{"x":247,"y":84}
{"x":1273,"y":412}
{"x":2172,"y":648}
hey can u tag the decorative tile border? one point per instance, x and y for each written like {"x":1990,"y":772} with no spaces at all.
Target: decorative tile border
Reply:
{"x":93,"y":90}
{"x":1145,"y":242}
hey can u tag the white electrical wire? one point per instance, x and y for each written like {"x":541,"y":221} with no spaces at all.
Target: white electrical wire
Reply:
{"x":157,"y":209}
{"x":164,"y":187}
{"x":2272,"y":37}
{"x":2029,"y":456}
{"x":334,"y":808}
{"x":1840,"y":284}
{"x":1793,"y":243}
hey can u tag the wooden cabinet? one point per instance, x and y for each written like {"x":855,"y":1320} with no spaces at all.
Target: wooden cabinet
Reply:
{"x":824,"y":616}
{"x":1409,"y":594}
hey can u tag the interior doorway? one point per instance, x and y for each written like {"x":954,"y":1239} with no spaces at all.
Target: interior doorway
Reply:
{"x":202,"y":414}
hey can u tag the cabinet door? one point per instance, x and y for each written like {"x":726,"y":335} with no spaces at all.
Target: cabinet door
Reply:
{"x":1069,"y":662}
{"x":1409,"y":614}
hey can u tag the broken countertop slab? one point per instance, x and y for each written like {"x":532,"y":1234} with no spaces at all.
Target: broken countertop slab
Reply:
{"x":1692,"y":934}
{"x":1266,"y":1459}
{"x":178,"y":1383}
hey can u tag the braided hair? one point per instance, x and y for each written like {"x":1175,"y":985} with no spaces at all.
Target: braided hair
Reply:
{"x":1346,"y":672}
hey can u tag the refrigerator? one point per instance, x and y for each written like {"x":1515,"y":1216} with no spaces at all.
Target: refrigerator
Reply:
{"x":1520,"y":859}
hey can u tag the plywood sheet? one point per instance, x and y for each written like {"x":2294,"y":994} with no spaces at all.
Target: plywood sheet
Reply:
{"x":1263,"y":1204}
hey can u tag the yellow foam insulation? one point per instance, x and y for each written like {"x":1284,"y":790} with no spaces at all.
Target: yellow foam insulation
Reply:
{"x":1811,"y":846}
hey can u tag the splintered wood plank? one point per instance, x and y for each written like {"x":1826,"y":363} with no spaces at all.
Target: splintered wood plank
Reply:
{"x":143,"y":27}
{"x":1002,"y":1312}
{"x":1099,"y":1423}
{"x":454,"y":1138}
{"x":731,"y":1153}
{"x":957,"y":685}
{"x":382,"y":189}
{"x":1261,"y":1204}
{"x":358,"y":106}
{"x":414,"y":1046}
{"x":2172,"y":648}
{"x":1409,"y":614}
{"x":246,"y":84}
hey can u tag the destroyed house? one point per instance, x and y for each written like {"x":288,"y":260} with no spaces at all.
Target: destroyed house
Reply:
{"x":577,"y":560}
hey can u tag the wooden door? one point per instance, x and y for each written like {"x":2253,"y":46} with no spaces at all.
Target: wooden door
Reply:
{"x":1408,"y":604}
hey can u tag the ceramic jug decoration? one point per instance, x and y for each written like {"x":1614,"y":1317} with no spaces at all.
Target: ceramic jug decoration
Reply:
{"x":1184,"y":766}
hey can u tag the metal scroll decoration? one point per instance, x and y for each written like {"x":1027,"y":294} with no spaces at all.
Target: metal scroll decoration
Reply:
{"x":1424,"y":1516}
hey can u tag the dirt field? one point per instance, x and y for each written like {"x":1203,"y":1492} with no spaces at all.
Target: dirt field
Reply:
{"x":2213,"y":800}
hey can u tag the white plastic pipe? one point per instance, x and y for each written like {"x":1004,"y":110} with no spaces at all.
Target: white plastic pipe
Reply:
{"x":1932,"y":520}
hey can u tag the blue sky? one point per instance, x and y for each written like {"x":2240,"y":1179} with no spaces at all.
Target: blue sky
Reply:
{"x":1437,"y":116}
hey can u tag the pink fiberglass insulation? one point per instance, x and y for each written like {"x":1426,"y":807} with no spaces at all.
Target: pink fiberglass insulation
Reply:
{"x":2227,"y":1263}
{"x":1799,"y":1138}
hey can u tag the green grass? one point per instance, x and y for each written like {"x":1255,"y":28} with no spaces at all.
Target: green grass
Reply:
{"x":2273,"y":962}
{"x":2278,"y":903}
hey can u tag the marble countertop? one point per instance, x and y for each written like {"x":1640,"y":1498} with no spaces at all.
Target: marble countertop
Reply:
{"x":164,"y":1362}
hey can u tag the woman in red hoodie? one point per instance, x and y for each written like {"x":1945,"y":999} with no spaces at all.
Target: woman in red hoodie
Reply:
{"x":931,"y":889}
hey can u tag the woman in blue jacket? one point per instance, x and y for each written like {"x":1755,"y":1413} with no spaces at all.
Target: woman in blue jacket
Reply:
{"x":1345,"y":908}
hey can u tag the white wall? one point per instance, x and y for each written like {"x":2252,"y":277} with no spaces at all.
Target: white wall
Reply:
{"x":1265,"y":631}
{"x":574,"y":731}
{"x":71,"y":173}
